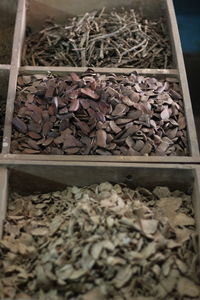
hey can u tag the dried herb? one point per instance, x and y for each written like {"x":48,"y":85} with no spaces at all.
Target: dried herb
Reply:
{"x":100,"y":242}
{"x":99,"y":115}
{"x":101,"y":39}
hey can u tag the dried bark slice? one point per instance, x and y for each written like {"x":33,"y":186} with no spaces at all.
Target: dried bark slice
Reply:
{"x":50,"y":89}
{"x":101,"y":138}
{"x":19,"y":125}
{"x":74,"y":106}
{"x":114,"y":127}
{"x":146,"y":149}
{"x":90,"y":93}
{"x":48,"y":141}
{"x":138,"y":114}
{"x":30,"y":151}
{"x":47,"y":127}
{"x":127,"y":101}
{"x":83,"y":126}
{"x":34,"y":135}
{"x":70,"y":142}
{"x":75,"y":77}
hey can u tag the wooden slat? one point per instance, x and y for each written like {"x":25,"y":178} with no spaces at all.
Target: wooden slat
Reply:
{"x":196,"y":200}
{"x":10,"y":158}
{"x":15,"y":63}
{"x":35,"y":69}
{"x":3,"y":195}
{"x":193,"y":143}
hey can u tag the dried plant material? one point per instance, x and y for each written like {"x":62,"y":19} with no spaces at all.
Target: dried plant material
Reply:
{"x":101,"y":39}
{"x":96,"y":114}
{"x":99,"y":242}
{"x":187,"y":288}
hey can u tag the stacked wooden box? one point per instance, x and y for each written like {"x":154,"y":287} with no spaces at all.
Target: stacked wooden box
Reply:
{"x":28,"y":173}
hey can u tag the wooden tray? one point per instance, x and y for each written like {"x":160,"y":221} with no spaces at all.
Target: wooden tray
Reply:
{"x":35,"y":15}
{"x":27,"y":178}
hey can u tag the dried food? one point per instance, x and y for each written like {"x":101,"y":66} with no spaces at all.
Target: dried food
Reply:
{"x":99,"y":114}
{"x":103,"y":241}
{"x":101,"y":39}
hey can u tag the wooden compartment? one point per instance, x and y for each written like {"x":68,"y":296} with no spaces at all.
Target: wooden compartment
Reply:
{"x":192,"y":141}
{"x":7,"y":23}
{"x":39,"y":10}
{"x":28,"y":177}
{"x":35,"y":14}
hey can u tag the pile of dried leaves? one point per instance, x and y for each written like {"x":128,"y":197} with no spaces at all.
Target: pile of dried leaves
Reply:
{"x":100,"y":242}
{"x":101,"y":39}
{"x":99,"y":114}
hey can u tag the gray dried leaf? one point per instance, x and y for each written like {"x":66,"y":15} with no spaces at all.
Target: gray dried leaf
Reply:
{"x":187,"y":287}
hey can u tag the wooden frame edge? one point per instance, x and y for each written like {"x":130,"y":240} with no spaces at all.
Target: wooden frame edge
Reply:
{"x":183,"y":80}
{"x":3,"y":195}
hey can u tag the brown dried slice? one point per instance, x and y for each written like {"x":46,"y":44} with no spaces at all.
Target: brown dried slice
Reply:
{"x":112,"y":92}
{"x":70,"y":141}
{"x":114,"y":127}
{"x":47,"y":127}
{"x":71,"y":151}
{"x":52,"y":110}
{"x":134,"y":114}
{"x":36,"y":117}
{"x":63,"y":110}
{"x":83,"y":126}
{"x":59,"y":140}
{"x":45,"y":115}
{"x":74,"y":106}
{"x":48,"y":141}
{"x":119,"y":110}
{"x":127,"y":101}
{"x":30,"y":151}
{"x":34,"y":135}
{"x":90,"y":93}
{"x":129,"y":142}
{"x":19,"y":125}
{"x":135,"y":97}
{"x":75,"y":77}
{"x":33,"y":144}
{"x":85,"y":103}
{"x":63,"y":125}
{"x":101,"y":138}
{"x":104,"y":107}
{"x":51,"y":85}
{"x":138,"y":145}
{"x":123,"y":121}
{"x":130,"y":131}
{"x":181,"y":121}
{"x":146,"y":149}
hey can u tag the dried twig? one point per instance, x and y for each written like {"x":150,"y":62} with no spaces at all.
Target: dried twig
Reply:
{"x":101,"y":39}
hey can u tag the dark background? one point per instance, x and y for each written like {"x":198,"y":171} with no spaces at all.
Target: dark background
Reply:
{"x":188,"y":18}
